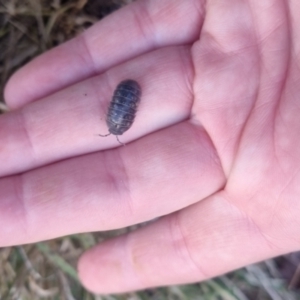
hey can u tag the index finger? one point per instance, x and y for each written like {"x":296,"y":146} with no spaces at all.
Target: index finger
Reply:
{"x":129,"y":32}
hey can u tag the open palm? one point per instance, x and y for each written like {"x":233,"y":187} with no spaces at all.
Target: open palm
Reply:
{"x":213,"y":151}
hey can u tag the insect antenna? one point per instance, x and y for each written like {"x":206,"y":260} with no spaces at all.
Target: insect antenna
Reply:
{"x":119,"y":141}
{"x":104,"y":135}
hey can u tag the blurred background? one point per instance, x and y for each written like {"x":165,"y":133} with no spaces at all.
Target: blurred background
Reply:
{"x":47,"y":270}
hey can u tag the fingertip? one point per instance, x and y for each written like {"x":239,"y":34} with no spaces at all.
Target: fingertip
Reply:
{"x":10,"y":91}
{"x":102,"y":269}
{"x":23,"y":86}
{"x":85,"y":271}
{"x":49,"y":72}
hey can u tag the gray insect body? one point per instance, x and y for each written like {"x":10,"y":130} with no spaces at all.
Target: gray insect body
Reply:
{"x":123,"y":107}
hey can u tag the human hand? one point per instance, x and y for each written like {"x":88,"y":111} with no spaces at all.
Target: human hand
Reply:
{"x":213,"y":148}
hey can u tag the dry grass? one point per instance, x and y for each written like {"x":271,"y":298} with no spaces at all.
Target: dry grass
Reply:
{"x":47,"y":270}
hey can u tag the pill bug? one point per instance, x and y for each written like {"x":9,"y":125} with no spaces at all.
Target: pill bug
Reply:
{"x":123,"y":107}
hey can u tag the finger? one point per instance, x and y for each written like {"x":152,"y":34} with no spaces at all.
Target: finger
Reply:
{"x":226,"y":74}
{"x":242,"y":60}
{"x":156,"y":175}
{"x":131,"y":31}
{"x":204,"y":240}
{"x":66,"y":124}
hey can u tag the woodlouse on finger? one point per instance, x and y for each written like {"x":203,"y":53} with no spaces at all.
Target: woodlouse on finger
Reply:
{"x":123,"y":107}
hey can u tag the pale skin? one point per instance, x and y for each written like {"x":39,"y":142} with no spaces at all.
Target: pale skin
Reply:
{"x":213,"y":151}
